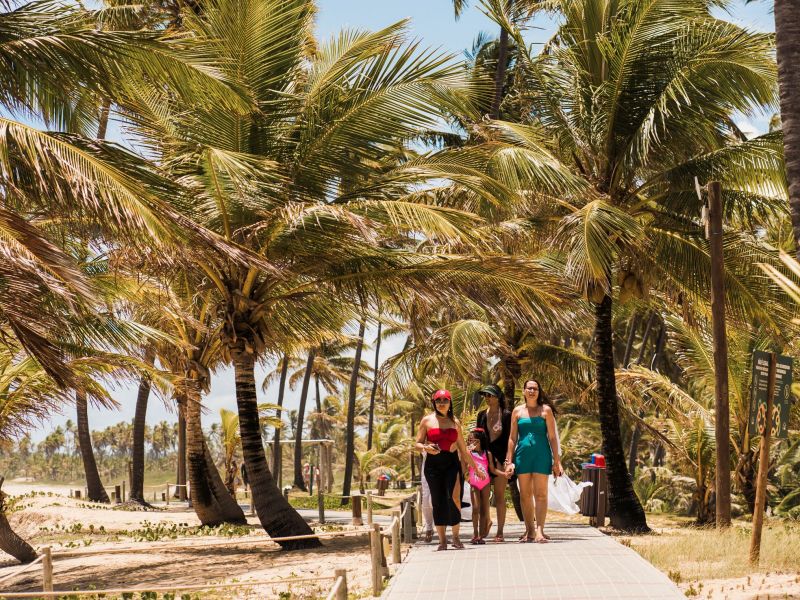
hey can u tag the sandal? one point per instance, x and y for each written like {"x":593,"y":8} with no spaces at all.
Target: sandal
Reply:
{"x":428,"y":537}
{"x":475,"y":541}
{"x":481,"y":542}
{"x":442,"y":546}
{"x":499,"y":539}
{"x":457,"y":544}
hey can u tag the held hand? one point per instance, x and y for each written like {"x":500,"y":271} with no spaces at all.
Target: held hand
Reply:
{"x":558,"y":470}
{"x":481,"y":472}
{"x":432,"y":449}
{"x":510,"y":469}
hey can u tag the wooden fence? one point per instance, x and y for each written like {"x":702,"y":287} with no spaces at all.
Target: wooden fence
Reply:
{"x":382,"y":542}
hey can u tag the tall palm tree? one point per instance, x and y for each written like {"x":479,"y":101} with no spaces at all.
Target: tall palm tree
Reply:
{"x":139,"y":422}
{"x":628,"y":98}
{"x":94,"y":486}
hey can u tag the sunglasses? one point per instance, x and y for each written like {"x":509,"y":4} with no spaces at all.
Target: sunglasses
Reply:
{"x":441,"y":401}
{"x":531,"y":389}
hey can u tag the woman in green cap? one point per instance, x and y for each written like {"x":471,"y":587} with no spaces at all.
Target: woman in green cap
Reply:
{"x":495,"y":420}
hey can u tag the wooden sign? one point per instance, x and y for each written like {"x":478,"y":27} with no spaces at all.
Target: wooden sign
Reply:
{"x":781,"y":400}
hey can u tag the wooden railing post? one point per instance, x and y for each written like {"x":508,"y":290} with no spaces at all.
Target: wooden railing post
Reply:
{"x":341,"y":593}
{"x":167,"y":495}
{"x":396,"y":555}
{"x":369,"y":507}
{"x":408,"y":522}
{"x":47,"y":570}
{"x":355,"y":501}
{"x":375,"y":556}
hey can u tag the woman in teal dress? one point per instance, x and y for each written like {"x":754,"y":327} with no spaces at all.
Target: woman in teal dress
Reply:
{"x":533,"y":456}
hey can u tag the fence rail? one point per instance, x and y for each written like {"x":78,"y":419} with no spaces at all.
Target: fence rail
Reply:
{"x":402,"y":522}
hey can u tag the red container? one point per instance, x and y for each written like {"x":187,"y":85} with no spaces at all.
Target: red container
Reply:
{"x":599,"y":461}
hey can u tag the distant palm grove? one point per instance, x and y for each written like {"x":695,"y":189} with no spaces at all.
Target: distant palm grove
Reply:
{"x":271,"y":198}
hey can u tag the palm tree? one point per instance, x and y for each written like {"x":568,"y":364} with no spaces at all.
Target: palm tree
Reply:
{"x":94,"y":486}
{"x":301,"y":411}
{"x":139,"y":422}
{"x":351,"y":414}
{"x":604,"y":103}
{"x":230,"y":444}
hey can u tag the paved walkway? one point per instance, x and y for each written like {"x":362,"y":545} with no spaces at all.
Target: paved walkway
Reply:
{"x":578,"y":564}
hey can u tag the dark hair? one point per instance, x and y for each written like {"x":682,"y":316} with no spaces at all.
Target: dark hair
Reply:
{"x":450,"y":414}
{"x":542,"y":398}
{"x":500,"y":395}
{"x":480,"y":435}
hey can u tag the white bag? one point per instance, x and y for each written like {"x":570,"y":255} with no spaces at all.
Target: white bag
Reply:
{"x":466,"y":511}
{"x":563,"y":494}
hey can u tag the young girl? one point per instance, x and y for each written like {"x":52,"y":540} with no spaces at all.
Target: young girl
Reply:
{"x":478,"y":443}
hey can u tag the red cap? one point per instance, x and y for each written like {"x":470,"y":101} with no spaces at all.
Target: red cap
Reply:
{"x":441,"y":394}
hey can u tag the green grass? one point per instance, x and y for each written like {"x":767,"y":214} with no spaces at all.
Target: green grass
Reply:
{"x":688,"y":553}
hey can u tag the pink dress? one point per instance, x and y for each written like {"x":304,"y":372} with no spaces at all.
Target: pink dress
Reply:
{"x":481,"y":460}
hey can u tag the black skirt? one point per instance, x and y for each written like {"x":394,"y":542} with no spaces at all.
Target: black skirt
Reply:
{"x":442,"y":473}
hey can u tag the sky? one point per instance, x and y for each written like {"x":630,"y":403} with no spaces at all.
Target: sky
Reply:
{"x":432,"y":22}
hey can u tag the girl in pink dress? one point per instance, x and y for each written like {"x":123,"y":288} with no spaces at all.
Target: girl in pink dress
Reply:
{"x":478,"y":443}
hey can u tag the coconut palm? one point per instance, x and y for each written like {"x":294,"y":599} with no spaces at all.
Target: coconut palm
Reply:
{"x":628,"y":97}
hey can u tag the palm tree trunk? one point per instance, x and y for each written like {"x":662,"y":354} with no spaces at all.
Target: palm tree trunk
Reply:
{"x":276,"y":442}
{"x":10,"y":542}
{"x":137,"y":469}
{"x":374,"y":388}
{"x":298,"y":434}
{"x":626,"y":511}
{"x":180,"y":476}
{"x":95,"y":490}
{"x":500,"y":73}
{"x":102,"y":122}
{"x":275,"y":513}
{"x":317,"y":430}
{"x":636,"y":437}
{"x":202,"y":471}
{"x":350,"y":450}
{"x":787,"y":42}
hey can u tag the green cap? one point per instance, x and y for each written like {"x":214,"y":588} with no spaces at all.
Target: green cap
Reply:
{"x":491,"y":389}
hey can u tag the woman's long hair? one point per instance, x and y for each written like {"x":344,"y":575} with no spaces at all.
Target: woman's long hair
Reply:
{"x":542,"y":398}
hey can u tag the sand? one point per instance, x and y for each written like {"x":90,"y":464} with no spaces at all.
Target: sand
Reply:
{"x":114,"y":559}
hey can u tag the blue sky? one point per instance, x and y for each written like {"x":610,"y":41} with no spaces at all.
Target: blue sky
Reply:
{"x":433,"y":23}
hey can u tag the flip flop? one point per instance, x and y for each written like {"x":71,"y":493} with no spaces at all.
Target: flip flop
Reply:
{"x":499,"y":539}
{"x":458,"y":545}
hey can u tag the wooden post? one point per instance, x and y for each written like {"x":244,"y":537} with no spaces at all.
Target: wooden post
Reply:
{"x":375,"y":556}
{"x":369,"y":507}
{"x":396,"y":556}
{"x":721,"y":405}
{"x":117,"y":493}
{"x":124,"y":495}
{"x":341,"y":593}
{"x":763,"y":467}
{"x":355,"y":501}
{"x":320,"y":479}
{"x":78,"y":494}
{"x":408,"y":522}
{"x":47,"y":570}
{"x":154,"y":496}
{"x":167,"y":495}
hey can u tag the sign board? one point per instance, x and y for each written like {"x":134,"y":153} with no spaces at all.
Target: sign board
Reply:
{"x":781,"y":401}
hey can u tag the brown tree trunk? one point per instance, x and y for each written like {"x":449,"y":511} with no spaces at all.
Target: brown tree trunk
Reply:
{"x":374,"y":388}
{"x":787,"y":42}
{"x":10,"y":542}
{"x":350,"y":450}
{"x":180,"y":477}
{"x":208,"y":500}
{"x":500,"y":73}
{"x":95,"y":490}
{"x":276,"y":442}
{"x":139,"y":419}
{"x":102,"y":122}
{"x":626,"y":511}
{"x":298,"y":434}
{"x":275,"y":513}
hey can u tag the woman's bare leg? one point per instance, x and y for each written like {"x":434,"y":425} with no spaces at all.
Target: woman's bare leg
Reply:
{"x":457,"y":499}
{"x":525,"y":481}
{"x":540,"y":502}
{"x":500,"y":503}
{"x":441,"y":531}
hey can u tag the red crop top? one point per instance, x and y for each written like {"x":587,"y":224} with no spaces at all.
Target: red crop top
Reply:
{"x":444,"y":437}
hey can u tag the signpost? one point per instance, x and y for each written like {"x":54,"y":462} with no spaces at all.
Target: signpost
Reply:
{"x":766,"y":408}
{"x":780,"y":400}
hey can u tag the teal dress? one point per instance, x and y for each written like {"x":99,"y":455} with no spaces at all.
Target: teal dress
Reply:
{"x":533,"y":453}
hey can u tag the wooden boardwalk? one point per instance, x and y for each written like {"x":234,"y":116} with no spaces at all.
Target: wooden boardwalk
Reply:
{"x":580,"y":563}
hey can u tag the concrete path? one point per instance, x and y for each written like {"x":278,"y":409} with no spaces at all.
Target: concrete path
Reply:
{"x":579,"y":563}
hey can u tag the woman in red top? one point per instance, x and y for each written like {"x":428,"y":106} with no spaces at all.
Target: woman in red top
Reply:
{"x":440,"y":438}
